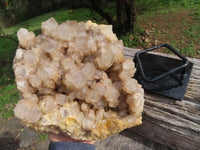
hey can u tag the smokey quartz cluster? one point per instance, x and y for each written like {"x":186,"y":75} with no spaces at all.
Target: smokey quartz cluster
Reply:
{"x":73,"y":79}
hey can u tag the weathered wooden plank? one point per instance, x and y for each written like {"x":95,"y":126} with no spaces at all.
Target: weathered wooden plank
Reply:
{"x":128,"y":141}
{"x":173,"y":123}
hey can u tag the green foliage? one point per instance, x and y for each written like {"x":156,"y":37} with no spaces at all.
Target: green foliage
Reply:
{"x":191,"y":33}
{"x":164,"y":6}
{"x":7,"y":52}
{"x":132,"y":38}
{"x":8,"y":93}
{"x":19,"y":10}
{"x":188,"y":50}
{"x":110,"y":8}
{"x":2,"y":6}
{"x":9,"y":96}
{"x":43,"y":137}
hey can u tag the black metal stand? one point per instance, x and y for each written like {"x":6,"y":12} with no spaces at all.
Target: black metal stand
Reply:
{"x":163,"y":75}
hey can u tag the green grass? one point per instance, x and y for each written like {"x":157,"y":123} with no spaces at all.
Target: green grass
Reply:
{"x":193,"y":33}
{"x":165,"y":6}
{"x":7,"y":53}
{"x":187,"y":42}
{"x":43,"y":137}
{"x":132,"y":39}
{"x":8,"y":93}
{"x":34,"y":24}
{"x":9,"y":96}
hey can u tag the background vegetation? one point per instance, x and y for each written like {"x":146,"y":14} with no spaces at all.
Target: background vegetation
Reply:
{"x":176,"y":22}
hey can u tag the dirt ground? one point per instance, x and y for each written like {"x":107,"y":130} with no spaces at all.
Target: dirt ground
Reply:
{"x":179,"y":29}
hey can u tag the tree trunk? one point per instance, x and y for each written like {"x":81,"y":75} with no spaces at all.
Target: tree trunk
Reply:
{"x":133,"y":13}
{"x":125,"y":14}
{"x":55,"y":5}
{"x":130,"y":14}
{"x":105,"y":15}
{"x":118,"y":9}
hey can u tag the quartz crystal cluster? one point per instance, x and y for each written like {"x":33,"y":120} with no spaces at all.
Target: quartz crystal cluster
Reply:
{"x":73,"y":79}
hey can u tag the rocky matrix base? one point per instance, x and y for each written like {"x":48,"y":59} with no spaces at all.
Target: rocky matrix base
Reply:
{"x":73,"y":79}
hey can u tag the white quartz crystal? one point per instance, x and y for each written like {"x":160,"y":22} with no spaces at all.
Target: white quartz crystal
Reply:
{"x":74,"y":79}
{"x":49,"y":26}
{"x":26,"y":39}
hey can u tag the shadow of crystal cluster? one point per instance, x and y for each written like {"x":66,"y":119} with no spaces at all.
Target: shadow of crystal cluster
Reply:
{"x":74,"y":79}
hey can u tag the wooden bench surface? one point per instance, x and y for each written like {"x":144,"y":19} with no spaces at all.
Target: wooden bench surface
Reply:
{"x":173,"y":124}
{"x":170,"y":122}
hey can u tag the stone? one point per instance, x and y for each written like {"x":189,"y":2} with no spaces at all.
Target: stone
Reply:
{"x":73,"y":79}
{"x":26,"y":39}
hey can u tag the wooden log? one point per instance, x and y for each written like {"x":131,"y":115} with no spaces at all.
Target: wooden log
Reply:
{"x":127,"y":141}
{"x":173,"y":123}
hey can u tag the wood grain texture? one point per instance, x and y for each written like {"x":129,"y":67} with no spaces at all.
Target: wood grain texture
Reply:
{"x":128,"y":141}
{"x":173,"y":123}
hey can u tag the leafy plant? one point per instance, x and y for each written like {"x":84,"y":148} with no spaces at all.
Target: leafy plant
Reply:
{"x":43,"y":137}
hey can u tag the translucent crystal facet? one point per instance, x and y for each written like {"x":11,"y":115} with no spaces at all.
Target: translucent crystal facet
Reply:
{"x":74,"y":79}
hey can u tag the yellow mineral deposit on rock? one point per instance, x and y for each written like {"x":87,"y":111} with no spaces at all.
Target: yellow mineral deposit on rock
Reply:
{"x":74,"y":79}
